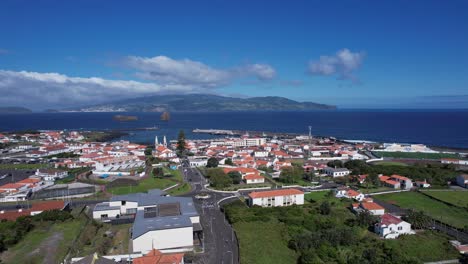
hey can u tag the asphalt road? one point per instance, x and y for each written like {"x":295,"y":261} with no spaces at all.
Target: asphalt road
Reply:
{"x":220,"y":242}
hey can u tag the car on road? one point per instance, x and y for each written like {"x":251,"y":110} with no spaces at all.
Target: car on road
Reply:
{"x":202,"y":196}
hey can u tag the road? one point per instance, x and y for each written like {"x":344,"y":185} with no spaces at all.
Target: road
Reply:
{"x":220,"y":242}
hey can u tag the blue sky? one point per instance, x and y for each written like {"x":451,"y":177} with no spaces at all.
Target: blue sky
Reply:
{"x":377,"y":54}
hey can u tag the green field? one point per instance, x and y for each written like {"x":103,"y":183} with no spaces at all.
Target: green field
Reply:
{"x":181,"y":189}
{"x":153,"y":183}
{"x":457,"y":198}
{"x":414,"y":155}
{"x":426,"y":246}
{"x":412,"y":200}
{"x":264,"y":243}
{"x":390,"y":163}
{"x":143,"y":186}
{"x":45,"y":244}
{"x":315,"y":196}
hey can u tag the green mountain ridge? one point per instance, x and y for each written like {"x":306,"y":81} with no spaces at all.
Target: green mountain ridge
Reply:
{"x":204,"y":103}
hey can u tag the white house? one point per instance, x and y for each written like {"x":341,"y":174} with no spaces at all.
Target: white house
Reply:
{"x":349,"y":193}
{"x":336,"y":172}
{"x":391,"y":226}
{"x":254,"y":178}
{"x":462,"y":180}
{"x":371,"y":207}
{"x":280,"y":197}
{"x":261,"y":154}
{"x":163,"y":223}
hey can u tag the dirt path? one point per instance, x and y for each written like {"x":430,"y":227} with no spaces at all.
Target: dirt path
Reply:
{"x":49,"y":247}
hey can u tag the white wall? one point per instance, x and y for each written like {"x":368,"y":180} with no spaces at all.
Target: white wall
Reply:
{"x":295,"y":199}
{"x":110,"y":213}
{"x":165,"y":239}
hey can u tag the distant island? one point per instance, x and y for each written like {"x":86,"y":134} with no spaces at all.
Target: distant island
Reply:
{"x":203,"y":103}
{"x":14,"y":110}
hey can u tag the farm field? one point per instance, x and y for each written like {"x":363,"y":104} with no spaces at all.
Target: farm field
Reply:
{"x":412,"y":200}
{"x":457,"y":198}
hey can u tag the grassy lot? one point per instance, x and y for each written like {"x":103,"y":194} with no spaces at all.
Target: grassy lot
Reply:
{"x":154,"y":183}
{"x":23,"y":166}
{"x":181,"y":189}
{"x":440,"y":211}
{"x":390,"y":163}
{"x":265,"y":245}
{"x":415,"y":155}
{"x":45,"y":244}
{"x":457,"y":198}
{"x":316,"y":196}
{"x":426,"y":246}
{"x":143,"y":186}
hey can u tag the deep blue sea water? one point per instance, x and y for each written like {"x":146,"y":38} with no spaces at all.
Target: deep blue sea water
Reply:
{"x":432,"y":127}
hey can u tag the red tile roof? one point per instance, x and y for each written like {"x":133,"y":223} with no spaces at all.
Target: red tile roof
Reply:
{"x":156,"y":257}
{"x":388,"y":219}
{"x":282,"y":192}
{"x":371,"y":206}
{"x":253,"y":177}
{"x":353,"y":193}
{"x":36,"y":207}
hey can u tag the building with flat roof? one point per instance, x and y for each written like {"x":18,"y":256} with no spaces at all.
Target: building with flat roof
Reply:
{"x":160,"y":222}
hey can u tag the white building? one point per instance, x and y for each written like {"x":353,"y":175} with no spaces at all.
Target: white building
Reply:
{"x":391,"y":227}
{"x":349,"y":194}
{"x":336,"y":172}
{"x":371,"y":207}
{"x":51,"y":175}
{"x":164,"y":223}
{"x":254,"y":178}
{"x":280,"y":197}
{"x":462,"y":180}
{"x":261,"y":154}
{"x":198,"y":162}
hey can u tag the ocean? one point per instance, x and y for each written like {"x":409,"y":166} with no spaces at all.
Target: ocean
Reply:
{"x":446,"y":128}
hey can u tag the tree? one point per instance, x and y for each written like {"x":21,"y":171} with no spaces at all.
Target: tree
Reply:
{"x":335,"y":163}
{"x":366,"y":219}
{"x":212,"y":162}
{"x":228,"y":161}
{"x":235,"y":176}
{"x":291,"y":175}
{"x":220,"y":180}
{"x":148,"y":152}
{"x":181,"y":143}
{"x":418,"y":220}
{"x":373,"y":179}
{"x":325,"y":208}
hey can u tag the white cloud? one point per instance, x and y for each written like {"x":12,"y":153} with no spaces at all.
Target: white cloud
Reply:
{"x":35,"y":89}
{"x":161,"y":74}
{"x":344,"y":63}
{"x":261,"y":71}
{"x":162,"y":69}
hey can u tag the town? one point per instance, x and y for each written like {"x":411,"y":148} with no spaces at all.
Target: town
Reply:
{"x":78,"y":197}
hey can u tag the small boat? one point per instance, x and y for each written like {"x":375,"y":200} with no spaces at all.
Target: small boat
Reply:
{"x":165,"y":116}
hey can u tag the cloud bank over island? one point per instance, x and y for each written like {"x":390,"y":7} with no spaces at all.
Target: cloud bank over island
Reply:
{"x":158,"y":75}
